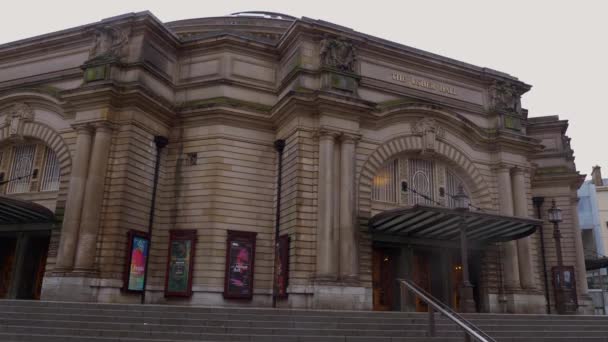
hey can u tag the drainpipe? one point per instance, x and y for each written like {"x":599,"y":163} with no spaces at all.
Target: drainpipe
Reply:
{"x":160,"y":143}
{"x":279,"y":145}
{"x":538,"y":203}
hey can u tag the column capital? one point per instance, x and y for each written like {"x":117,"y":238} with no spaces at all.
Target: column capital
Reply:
{"x":502,"y":167}
{"x":83,"y":128}
{"x":349,"y":138}
{"x":103,"y":126}
{"x":519,"y":169}
{"x":325,"y":133}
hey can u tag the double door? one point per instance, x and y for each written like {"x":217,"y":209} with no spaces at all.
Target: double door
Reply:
{"x":438,"y":272}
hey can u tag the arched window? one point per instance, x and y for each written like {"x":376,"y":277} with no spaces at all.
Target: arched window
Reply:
{"x":410,"y":181}
{"x":28,"y":167}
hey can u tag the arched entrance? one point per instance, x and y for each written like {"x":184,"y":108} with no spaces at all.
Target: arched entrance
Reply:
{"x":34,"y":166}
{"x":408,"y":180}
{"x":421,"y":239}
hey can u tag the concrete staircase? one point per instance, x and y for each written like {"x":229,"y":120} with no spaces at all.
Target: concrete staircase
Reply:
{"x":92,"y":322}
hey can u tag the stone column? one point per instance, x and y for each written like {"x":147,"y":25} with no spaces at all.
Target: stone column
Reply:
{"x":91,"y":206}
{"x":505,"y":200}
{"x":581,"y":271}
{"x":349,"y":258}
{"x":327,"y":248}
{"x":524,"y":255}
{"x":73,"y":206}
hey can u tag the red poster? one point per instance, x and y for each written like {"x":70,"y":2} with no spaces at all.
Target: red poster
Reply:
{"x":240,"y":256}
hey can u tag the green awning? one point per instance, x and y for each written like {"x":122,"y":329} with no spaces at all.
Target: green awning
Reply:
{"x":437,"y":223}
{"x":19,"y":212}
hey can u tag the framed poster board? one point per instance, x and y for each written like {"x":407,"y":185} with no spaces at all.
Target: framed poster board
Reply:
{"x":138,"y":245}
{"x":240,"y":256}
{"x":567,"y":280}
{"x":178,"y":278}
{"x":283,"y":266}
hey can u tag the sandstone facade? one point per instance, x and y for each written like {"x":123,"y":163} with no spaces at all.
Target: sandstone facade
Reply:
{"x":223,"y":90}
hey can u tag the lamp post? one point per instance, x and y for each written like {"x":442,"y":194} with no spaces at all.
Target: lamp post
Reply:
{"x":462,"y":203}
{"x":555,"y":217}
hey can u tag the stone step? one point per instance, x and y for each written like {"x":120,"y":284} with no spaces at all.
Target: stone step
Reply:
{"x":57,"y":321}
{"x":236,"y":315}
{"x":11,"y":337}
{"x":111,"y":322}
{"x":268,"y":311}
{"x":85,"y":334}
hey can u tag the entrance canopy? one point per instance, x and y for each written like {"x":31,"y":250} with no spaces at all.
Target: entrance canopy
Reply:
{"x":15,"y":213}
{"x":436,"y":223}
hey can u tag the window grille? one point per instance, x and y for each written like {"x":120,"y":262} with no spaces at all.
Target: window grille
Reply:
{"x":23,"y":163}
{"x":50,"y":178}
{"x":384,"y":187}
{"x":421,"y":181}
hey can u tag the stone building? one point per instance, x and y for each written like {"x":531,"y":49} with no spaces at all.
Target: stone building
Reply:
{"x":374,"y":133}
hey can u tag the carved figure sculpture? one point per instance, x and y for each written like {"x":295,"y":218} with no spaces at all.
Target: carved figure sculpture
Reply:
{"x":430,"y":130}
{"x":17,"y":115}
{"x":505,"y":97}
{"x":109,"y":42}
{"x":337,"y":53}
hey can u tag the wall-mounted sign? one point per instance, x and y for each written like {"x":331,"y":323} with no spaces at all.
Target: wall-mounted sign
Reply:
{"x":138,"y":244}
{"x":178,"y":279}
{"x":283,"y":267}
{"x":424,"y":83}
{"x":240,"y":256}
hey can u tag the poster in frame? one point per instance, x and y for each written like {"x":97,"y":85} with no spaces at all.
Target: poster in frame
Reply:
{"x":240,"y":256}
{"x":180,"y":262}
{"x":566,"y":279}
{"x":283,"y":267}
{"x":138,"y":245}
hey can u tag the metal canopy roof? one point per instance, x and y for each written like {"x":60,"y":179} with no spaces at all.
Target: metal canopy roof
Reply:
{"x":14,"y":212}
{"x":596,"y":264}
{"x":435,"y":223}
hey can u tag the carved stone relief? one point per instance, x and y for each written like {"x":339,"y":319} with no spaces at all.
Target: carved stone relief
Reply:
{"x":430,"y":131}
{"x":108,"y":43}
{"x":337,"y":53}
{"x":17,"y":115}
{"x":505,"y":97}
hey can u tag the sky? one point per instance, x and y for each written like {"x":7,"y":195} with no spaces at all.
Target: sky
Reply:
{"x":559,"y":47}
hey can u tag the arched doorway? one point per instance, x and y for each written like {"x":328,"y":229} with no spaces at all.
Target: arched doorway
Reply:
{"x":420,"y":235}
{"x":30,"y":175}
{"x":409,"y":180}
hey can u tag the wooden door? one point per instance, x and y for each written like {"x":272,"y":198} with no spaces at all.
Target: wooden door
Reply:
{"x":422,"y":277}
{"x":383,"y":278}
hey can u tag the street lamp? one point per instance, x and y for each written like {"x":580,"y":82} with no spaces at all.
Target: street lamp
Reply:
{"x":461,"y":204}
{"x":461,"y":200}
{"x":555,"y":217}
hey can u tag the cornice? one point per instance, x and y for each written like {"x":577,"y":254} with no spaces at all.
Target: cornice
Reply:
{"x":430,"y":60}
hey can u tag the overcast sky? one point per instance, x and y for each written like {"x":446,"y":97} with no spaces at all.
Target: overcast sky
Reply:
{"x":558,"y":47}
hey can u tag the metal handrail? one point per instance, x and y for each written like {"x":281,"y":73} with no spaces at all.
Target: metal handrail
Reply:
{"x":470,"y":330}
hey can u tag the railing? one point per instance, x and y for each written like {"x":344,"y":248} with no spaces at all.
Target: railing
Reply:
{"x":471,"y":332}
